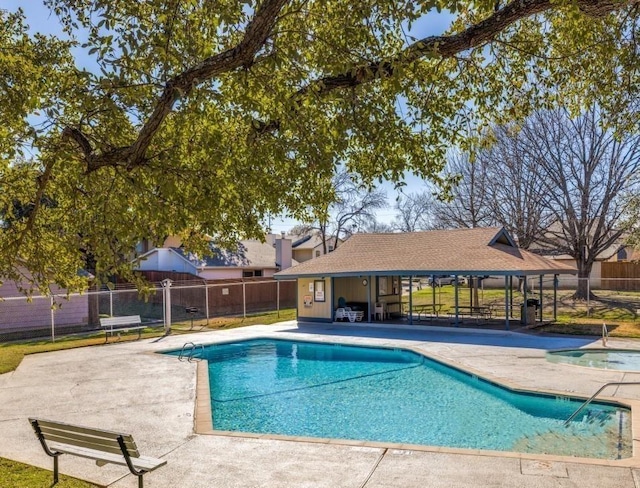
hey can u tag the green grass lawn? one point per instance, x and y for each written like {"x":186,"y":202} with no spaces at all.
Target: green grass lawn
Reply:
{"x":619,"y":310}
{"x":11,"y":353}
{"x":18,"y":475}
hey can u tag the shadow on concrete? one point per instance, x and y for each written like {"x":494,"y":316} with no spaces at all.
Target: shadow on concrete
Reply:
{"x":450,"y":335}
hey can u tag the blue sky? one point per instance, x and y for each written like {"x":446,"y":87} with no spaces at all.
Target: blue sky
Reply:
{"x":40,"y":19}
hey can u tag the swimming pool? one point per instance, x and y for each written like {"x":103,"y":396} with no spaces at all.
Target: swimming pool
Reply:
{"x":394,"y":395}
{"x":620,"y":359}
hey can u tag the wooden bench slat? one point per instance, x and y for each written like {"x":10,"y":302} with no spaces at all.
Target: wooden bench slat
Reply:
{"x":146,"y":463}
{"x":65,"y":433}
{"x":48,"y":425}
{"x":70,"y":437}
{"x":60,"y":444}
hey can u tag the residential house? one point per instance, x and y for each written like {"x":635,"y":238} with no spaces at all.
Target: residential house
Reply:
{"x":309,"y":246}
{"x":616,"y":252}
{"x":251,"y":258}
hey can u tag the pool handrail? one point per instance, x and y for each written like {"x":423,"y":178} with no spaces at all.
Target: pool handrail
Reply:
{"x":191,"y":351}
{"x":592,"y":397}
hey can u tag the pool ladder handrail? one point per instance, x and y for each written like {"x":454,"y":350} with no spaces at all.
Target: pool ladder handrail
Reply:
{"x":592,"y":397}
{"x":191,"y":351}
{"x":605,"y":334}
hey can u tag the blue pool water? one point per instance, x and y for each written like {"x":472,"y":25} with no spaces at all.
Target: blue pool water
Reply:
{"x":375,"y":394}
{"x":619,"y":359}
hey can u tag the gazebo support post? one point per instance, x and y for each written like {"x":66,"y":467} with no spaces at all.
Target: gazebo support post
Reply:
{"x":523,"y":309}
{"x":506,"y":302}
{"x":369,"y":299}
{"x":455,"y":292}
{"x":555,"y":297}
{"x":433,"y":297}
{"x":540,"y":298}
{"x":410,"y":300}
{"x":511,"y":294}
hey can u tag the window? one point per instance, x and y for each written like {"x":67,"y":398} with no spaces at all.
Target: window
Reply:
{"x":252,"y":273}
{"x":382,"y":286}
{"x":330,"y":248}
{"x":387,"y":285}
{"x":318,"y":254}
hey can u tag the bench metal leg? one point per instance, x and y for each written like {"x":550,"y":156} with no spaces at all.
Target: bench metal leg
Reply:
{"x":49,"y":452}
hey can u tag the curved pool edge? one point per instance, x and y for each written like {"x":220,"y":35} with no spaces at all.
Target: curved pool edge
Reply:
{"x":203,"y":419}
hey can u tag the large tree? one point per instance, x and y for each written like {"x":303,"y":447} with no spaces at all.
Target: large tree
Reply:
{"x":518,"y":194}
{"x":586,"y":172}
{"x":414,"y":211}
{"x":346,"y":207}
{"x":206,"y":116}
{"x":469,"y":204}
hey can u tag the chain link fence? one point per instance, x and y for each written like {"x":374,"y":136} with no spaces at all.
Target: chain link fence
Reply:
{"x":167,"y":302}
{"x":576,"y":300}
{"x":611,"y":300}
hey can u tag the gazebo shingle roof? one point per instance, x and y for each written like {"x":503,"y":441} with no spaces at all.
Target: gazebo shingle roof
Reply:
{"x":479,"y":251}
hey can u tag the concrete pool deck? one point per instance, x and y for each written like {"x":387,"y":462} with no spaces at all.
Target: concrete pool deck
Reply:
{"x":127,"y":387}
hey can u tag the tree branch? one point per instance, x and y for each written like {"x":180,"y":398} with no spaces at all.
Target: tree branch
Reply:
{"x":443,"y":47}
{"x":256,"y":34}
{"x":243,"y":54}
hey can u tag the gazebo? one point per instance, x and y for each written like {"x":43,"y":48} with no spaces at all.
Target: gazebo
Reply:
{"x":368,"y":270}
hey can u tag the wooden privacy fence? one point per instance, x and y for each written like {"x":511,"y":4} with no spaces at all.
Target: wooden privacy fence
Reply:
{"x":623,"y":276}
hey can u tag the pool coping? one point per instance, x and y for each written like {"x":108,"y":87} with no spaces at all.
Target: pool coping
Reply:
{"x":553,"y":352}
{"x":203,"y":419}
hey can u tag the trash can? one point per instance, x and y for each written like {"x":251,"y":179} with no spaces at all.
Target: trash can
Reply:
{"x":532,"y":306}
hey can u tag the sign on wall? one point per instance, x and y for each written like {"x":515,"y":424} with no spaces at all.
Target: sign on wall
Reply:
{"x":319,"y":290}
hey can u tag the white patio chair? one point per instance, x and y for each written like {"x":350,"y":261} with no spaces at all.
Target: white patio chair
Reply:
{"x":378,"y":311}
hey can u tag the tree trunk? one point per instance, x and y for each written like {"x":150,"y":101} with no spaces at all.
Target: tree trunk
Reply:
{"x":93,"y":300}
{"x":521,"y":285}
{"x":583,"y":290}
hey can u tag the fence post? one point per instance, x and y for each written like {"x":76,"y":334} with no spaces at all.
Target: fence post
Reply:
{"x":588,"y":293}
{"x":206,"y":300}
{"x":244,"y":299}
{"x":278,"y":297}
{"x":110,"y":303}
{"x":53,"y":326}
{"x":166,"y":296}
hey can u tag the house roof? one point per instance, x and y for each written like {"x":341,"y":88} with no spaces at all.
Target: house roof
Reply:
{"x":603,"y":255}
{"x":248,"y":254}
{"x":309,"y":241}
{"x":479,"y":251}
{"x":555,"y":232}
